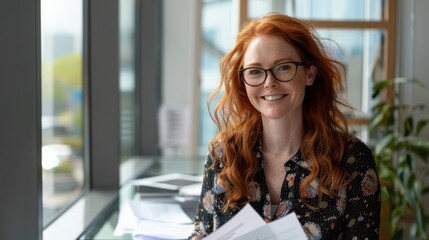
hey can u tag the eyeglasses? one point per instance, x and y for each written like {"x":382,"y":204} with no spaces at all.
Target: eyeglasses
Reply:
{"x":283,"y":72}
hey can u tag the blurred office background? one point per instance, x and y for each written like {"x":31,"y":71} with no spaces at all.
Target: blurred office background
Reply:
{"x":91,"y":90}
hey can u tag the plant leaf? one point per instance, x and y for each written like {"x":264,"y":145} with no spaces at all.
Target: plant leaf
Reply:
{"x":420,"y":126}
{"x":378,"y":87}
{"x":425,"y":190}
{"x":398,"y":234}
{"x":408,"y":125}
{"x":397,"y":152}
{"x":383,"y":143}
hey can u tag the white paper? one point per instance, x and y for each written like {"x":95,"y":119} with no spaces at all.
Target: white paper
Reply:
{"x":243,"y":222}
{"x":159,"y":211}
{"x":162,"y":230}
{"x":248,"y":225}
{"x":191,"y":190}
{"x":287,"y":227}
{"x":171,"y":181}
{"x":127,"y":221}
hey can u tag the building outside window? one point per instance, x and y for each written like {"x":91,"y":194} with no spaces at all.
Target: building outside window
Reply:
{"x":63,"y":162}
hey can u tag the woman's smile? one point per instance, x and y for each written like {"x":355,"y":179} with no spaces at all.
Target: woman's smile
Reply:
{"x":274,"y":97}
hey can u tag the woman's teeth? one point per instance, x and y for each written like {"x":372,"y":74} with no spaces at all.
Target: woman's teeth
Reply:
{"x":273,"y":97}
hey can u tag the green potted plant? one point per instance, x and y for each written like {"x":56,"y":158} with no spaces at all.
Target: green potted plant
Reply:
{"x":402,"y":159}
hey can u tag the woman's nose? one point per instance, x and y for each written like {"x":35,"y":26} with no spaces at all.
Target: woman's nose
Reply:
{"x":270,"y":81}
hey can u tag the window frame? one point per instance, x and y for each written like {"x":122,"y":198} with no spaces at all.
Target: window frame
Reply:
{"x":102,"y":114}
{"x":20,"y":104}
{"x":101,"y":120}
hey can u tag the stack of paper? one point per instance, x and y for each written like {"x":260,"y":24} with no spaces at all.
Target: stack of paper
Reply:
{"x":149,"y":220}
{"x":160,"y":206}
{"x":161,"y":215}
{"x":154,"y":220}
{"x":183,"y":184}
{"x":248,"y":225}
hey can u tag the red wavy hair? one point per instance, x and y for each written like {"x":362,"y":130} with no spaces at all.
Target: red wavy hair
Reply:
{"x":240,"y":124}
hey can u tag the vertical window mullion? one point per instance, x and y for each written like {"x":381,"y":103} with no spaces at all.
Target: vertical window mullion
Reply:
{"x":20,"y":138}
{"x":104,"y":94}
{"x":149,"y":64}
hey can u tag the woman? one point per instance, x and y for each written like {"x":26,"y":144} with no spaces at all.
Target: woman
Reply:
{"x":283,"y":144}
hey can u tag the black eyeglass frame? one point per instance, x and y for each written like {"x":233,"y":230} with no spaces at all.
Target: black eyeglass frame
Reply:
{"x":266,"y":70}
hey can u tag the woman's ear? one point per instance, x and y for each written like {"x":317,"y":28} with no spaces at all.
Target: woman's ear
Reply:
{"x":311,"y":75}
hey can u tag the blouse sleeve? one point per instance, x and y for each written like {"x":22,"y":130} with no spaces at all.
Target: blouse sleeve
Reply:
{"x":362,"y":213}
{"x":203,"y":223}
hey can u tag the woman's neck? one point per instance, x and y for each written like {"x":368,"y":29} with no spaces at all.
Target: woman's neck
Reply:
{"x":282,"y":137}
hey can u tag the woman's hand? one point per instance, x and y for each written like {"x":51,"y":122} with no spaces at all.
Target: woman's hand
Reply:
{"x":196,"y":238}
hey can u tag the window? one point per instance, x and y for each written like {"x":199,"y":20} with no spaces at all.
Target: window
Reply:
{"x":217,"y":39}
{"x":363,"y":30}
{"x":127,"y":78}
{"x":361,"y":34}
{"x":345,"y":10}
{"x":63,"y":162}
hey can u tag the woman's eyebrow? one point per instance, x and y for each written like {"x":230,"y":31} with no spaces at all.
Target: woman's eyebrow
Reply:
{"x":280,"y":60}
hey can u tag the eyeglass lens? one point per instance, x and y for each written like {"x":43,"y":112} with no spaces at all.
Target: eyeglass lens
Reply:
{"x":283,"y":72}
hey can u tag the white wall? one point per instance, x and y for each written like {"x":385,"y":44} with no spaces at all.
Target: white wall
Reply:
{"x":421,"y":52}
{"x":413,"y":54}
{"x":412,"y":48}
{"x":181,"y":63}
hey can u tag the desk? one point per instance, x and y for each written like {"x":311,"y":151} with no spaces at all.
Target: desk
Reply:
{"x":103,"y":226}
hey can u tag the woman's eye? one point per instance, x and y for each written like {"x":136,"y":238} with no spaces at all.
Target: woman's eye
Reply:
{"x":284,"y":67}
{"x":254,"y":71}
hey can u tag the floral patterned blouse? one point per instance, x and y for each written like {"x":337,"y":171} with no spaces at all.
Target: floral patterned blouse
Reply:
{"x":353,"y":214}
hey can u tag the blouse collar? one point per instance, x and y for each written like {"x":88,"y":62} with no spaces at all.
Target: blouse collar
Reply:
{"x":297,"y":158}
